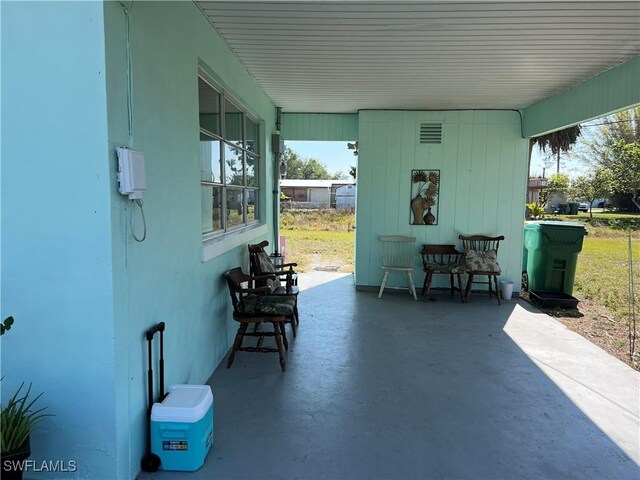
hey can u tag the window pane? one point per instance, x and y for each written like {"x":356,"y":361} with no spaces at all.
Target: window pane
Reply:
{"x":253,"y":145}
{"x":233,"y":123}
{"x":235,"y":207}
{"x":209,"y":107}
{"x":210,"y":160}
{"x":252,"y":179}
{"x":233,"y":165}
{"x":211,"y":208}
{"x":252,"y":205}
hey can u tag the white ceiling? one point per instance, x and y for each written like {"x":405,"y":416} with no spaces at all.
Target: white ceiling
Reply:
{"x":344,"y":56}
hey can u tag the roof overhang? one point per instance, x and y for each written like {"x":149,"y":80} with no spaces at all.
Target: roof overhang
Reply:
{"x":346,"y":56}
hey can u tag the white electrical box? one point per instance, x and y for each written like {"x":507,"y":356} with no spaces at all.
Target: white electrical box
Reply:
{"x":131,"y":176}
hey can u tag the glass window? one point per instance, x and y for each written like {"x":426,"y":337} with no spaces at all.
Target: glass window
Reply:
{"x":209,"y":100}
{"x":211,"y":208}
{"x":233,"y":124}
{"x":235,"y":207}
{"x":229,"y":162}
{"x":210,"y":159}
{"x":233,"y":165}
{"x":253,"y":144}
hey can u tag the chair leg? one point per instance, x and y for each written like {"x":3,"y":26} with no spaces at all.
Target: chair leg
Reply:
{"x":277,"y":334}
{"x":285,"y":342}
{"x":460,"y":288}
{"x":424,"y":285}
{"x":428,"y":281}
{"x":295,"y":312}
{"x":467,"y":290}
{"x":412,"y":287}
{"x":495,"y":279}
{"x":384,"y":281}
{"x":237,"y":343}
{"x":452,"y":286}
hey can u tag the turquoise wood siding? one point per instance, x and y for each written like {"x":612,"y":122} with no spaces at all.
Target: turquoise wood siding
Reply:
{"x":483,"y":164}
{"x":320,"y":126}
{"x":613,"y":90}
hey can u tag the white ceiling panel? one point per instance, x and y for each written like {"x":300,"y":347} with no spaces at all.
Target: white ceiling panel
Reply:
{"x":345,"y":56}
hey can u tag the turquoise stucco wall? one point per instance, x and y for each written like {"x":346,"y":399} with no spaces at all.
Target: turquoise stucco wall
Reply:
{"x":615,"y":89}
{"x":164,"y":277}
{"x":56,"y":230}
{"x":483,"y":164}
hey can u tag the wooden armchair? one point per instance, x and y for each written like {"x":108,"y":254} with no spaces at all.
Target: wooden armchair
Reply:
{"x":282,"y":281}
{"x":254,"y":306}
{"x":480,"y":259}
{"x":261,"y":264}
{"x":442,"y":260}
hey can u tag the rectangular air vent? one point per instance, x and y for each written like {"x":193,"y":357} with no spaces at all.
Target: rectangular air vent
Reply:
{"x":431,"y":133}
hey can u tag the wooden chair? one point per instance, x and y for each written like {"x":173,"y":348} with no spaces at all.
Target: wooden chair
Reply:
{"x":481,"y":258}
{"x":253,"y":306}
{"x":260,"y":264}
{"x":442,"y":260}
{"x":397,"y":253}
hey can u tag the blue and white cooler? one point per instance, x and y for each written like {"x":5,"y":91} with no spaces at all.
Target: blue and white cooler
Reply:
{"x":182,"y":427}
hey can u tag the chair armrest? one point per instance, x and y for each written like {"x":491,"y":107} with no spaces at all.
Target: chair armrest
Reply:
{"x":293,"y":264}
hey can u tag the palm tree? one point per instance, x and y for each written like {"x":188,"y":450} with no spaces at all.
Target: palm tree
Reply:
{"x":557,"y":142}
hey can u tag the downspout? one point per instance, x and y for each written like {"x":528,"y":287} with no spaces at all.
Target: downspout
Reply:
{"x":276,"y":146}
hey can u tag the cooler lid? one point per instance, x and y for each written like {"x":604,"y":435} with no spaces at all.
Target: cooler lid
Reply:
{"x":184,"y":403}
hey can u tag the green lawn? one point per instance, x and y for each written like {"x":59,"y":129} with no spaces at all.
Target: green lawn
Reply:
{"x":312,"y":249}
{"x":602,"y":272}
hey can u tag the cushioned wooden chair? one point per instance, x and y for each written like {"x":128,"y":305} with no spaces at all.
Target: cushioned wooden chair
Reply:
{"x":254,"y":306}
{"x":397,"y":254}
{"x":480,"y":259}
{"x":442,"y":260}
{"x":283,"y":280}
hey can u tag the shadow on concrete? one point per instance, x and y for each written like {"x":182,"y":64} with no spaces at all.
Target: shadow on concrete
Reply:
{"x":398,"y":389}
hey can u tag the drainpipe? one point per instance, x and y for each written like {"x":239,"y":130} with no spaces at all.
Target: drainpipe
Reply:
{"x":277,"y":146}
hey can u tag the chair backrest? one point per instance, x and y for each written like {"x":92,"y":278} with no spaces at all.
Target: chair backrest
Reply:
{"x":261,"y":264}
{"x":440,"y":254}
{"x":480,"y":242}
{"x":397,"y":250}
{"x":235,"y":278}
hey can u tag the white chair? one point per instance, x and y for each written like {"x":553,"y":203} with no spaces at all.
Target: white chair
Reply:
{"x":397,"y":252}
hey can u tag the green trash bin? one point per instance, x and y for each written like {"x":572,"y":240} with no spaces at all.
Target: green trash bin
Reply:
{"x":563,"y":209}
{"x":552,"y":254}
{"x":573,"y":208}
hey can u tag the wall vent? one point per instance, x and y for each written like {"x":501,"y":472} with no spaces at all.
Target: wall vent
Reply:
{"x":431,"y":133}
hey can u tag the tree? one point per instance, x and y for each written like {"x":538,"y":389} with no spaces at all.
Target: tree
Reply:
{"x":597,"y":184}
{"x":557,"y":142}
{"x":559,"y":184}
{"x":303,"y":168}
{"x":614,"y":146}
{"x":626,"y":170}
{"x":340,"y":175}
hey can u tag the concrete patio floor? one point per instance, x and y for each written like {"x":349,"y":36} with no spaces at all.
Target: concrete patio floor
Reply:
{"x":396,"y":389}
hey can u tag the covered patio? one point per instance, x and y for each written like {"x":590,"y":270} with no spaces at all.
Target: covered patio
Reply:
{"x":398,"y":389}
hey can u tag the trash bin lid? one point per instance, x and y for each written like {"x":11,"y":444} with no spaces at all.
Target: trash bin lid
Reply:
{"x":553,"y":224}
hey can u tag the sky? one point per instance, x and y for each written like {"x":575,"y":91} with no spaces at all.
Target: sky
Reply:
{"x":336,"y":156}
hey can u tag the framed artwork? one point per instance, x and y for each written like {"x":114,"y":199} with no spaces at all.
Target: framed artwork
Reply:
{"x":425,"y":190}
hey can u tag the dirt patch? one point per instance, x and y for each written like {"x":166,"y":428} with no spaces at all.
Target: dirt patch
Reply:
{"x":597,"y":324}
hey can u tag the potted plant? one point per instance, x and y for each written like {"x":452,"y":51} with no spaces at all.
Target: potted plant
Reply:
{"x":18,"y":418}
